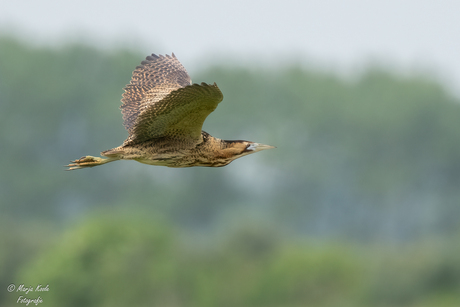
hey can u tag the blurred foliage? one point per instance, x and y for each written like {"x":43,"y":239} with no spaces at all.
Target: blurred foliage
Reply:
{"x":114,"y":259}
{"x":358,"y":205}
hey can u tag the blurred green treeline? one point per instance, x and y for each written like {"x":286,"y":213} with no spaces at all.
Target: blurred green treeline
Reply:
{"x":358,"y":205}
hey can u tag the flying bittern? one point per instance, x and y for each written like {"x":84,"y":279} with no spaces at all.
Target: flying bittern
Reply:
{"x":163,"y":113}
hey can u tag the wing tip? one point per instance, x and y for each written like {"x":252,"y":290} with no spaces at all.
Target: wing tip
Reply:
{"x":154,"y":57}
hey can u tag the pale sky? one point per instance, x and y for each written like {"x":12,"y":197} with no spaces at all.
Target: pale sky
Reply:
{"x":330,"y":33}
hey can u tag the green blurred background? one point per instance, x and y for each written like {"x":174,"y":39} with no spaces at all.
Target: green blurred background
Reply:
{"x":357,"y":206}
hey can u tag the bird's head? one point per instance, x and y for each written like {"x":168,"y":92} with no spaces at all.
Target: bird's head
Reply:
{"x":237,"y":149}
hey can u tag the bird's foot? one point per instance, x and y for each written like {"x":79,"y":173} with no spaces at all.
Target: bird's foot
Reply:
{"x":87,"y":161}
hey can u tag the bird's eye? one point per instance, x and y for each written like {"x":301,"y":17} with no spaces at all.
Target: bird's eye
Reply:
{"x":249,"y":147}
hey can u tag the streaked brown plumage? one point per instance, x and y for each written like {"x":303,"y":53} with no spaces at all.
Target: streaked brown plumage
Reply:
{"x":163,"y":113}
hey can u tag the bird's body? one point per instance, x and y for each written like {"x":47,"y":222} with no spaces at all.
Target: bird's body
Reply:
{"x":163,"y":113}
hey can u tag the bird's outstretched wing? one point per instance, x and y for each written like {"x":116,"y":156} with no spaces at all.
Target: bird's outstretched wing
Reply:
{"x":179,"y":115}
{"x":152,"y":81}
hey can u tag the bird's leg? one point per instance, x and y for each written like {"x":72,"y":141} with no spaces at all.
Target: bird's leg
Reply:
{"x":87,"y":161}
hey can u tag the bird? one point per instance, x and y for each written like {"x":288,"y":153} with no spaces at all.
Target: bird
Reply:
{"x":163,"y":112}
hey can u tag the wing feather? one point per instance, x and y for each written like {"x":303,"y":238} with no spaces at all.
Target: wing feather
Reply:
{"x":153,"y":80}
{"x":180,"y":115}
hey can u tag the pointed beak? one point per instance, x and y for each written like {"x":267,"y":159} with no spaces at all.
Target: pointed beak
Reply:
{"x":258,"y":147}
